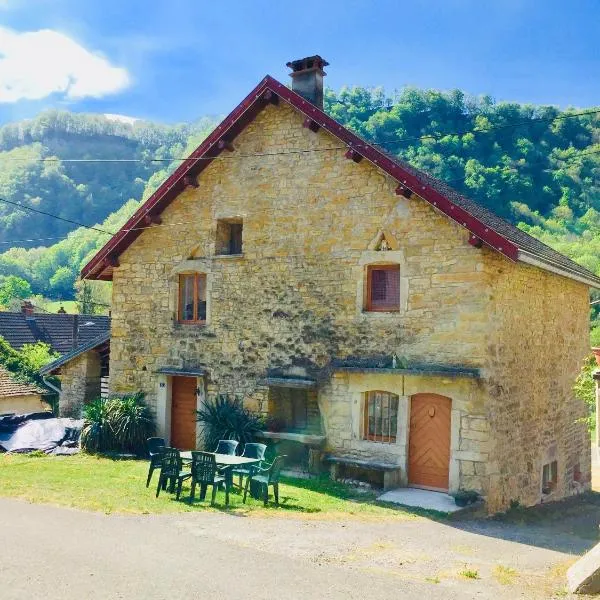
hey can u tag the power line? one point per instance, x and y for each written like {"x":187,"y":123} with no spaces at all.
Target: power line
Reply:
{"x":303,"y":150}
{"x":154,"y":225}
{"x":47,"y":214}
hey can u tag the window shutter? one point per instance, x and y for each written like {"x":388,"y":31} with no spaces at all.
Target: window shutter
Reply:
{"x":384,"y":287}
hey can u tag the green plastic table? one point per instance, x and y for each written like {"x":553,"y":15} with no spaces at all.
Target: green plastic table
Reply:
{"x":223,"y":460}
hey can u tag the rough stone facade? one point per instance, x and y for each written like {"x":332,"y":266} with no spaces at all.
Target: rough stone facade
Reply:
{"x":294,"y":300}
{"x":80,"y":383}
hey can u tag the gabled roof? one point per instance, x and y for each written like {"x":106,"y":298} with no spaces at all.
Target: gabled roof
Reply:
{"x":10,"y":386}
{"x":485,"y":227}
{"x":100,"y":342}
{"x":54,"y":329}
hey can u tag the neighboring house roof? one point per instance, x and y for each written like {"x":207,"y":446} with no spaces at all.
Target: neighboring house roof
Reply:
{"x":100,"y":342}
{"x":485,"y":226}
{"x":57,"y":330}
{"x":10,"y":386}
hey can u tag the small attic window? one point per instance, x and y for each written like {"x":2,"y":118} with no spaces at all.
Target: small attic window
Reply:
{"x":229,"y":236}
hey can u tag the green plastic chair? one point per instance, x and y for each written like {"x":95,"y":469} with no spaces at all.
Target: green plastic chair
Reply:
{"x":264,"y":477}
{"x":155,"y":450}
{"x":251,"y":450}
{"x":204,"y":473}
{"x":171,"y":472}
{"x":227,"y":447}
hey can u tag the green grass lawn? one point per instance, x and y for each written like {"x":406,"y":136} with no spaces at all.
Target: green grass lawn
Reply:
{"x":102,"y":484}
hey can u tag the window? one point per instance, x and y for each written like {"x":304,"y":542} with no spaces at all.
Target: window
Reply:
{"x":380,"y":416}
{"x":383,"y":288}
{"x":192,"y":298}
{"x":229,"y":236}
{"x":549,"y":477}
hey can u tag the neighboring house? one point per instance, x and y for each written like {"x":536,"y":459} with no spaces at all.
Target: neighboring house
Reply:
{"x":69,"y":335}
{"x":20,"y":397}
{"x":370,"y":310}
{"x":61,"y":331}
{"x":83,"y":374}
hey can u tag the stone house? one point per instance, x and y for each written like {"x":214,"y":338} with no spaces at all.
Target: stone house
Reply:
{"x":20,"y":397}
{"x":379,"y":318}
{"x":83,"y":374}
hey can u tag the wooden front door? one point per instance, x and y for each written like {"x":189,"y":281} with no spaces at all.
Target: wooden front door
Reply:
{"x":183,"y":413}
{"x":429,"y":441}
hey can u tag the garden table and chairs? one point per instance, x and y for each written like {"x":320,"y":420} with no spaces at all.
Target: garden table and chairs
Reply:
{"x":206,"y":469}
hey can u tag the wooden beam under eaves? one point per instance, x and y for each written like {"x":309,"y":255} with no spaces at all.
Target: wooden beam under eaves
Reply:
{"x":190,"y":181}
{"x":152,"y":220}
{"x":225,"y":145}
{"x":311,"y":125}
{"x":402,"y":190}
{"x":353,"y":155}
{"x":271,"y":97}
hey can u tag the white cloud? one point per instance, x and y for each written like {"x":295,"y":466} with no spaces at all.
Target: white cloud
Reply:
{"x":35,"y":64}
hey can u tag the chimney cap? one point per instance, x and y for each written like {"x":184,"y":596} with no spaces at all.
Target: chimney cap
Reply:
{"x":308,"y":63}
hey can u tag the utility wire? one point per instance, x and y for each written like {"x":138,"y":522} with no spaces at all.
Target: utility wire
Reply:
{"x":47,"y":214}
{"x":305,"y":150}
{"x":153,"y":226}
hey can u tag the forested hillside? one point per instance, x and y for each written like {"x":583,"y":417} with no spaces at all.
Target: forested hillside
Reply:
{"x":534,"y":165}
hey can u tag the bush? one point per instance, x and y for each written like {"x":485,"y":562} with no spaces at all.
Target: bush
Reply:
{"x":225,"y":418}
{"x":585,"y":389}
{"x":119,"y":424}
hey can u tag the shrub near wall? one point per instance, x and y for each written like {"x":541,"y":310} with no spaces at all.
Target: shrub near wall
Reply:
{"x":118,"y":424}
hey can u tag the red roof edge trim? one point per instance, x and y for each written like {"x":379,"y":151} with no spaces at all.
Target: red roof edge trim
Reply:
{"x":233,"y":124}
{"x":171,"y":186}
{"x":379,"y":159}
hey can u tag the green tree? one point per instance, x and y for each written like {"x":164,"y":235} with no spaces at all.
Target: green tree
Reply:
{"x":12,"y":287}
{"x":35,"y":356}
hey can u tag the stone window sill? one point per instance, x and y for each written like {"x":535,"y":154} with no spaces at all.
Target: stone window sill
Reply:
{"x":379,"y":314}
{"x":229,"y":256}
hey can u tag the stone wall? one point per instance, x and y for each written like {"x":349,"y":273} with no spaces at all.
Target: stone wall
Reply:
{"x":311,"y":221}
{"x":80,"y":383}
{"x":295,"y":296}
{"x":342,"y":405}
{"x":538,"y":340}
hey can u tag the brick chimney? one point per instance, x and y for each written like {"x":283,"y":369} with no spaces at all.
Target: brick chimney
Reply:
{"x":307,"y":78}
{"x":27,"y":309}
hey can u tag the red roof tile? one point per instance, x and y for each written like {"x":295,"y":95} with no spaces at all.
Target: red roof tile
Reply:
{"x":10,"y":386}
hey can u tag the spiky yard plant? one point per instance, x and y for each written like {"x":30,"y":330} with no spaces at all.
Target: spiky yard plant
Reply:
{"x":95,"y":433}
{"x":225,"y":418}
{"x":118,"y":424}
{"x":131,"y":422}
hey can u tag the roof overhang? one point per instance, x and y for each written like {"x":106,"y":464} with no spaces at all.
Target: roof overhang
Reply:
{"x":192,"y":372}
{"x":99,"y":343}
{"x":549,"y":265}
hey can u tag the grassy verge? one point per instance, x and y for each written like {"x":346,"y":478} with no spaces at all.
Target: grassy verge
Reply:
{"x":102,"y":484}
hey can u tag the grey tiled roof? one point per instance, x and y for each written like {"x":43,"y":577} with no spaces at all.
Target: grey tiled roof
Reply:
{"x":521,"y":239}
{"x":54,"y":329}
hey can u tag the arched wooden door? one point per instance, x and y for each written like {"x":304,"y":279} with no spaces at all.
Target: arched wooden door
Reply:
{"x":429,"y":441}
{"x":183,"y":413}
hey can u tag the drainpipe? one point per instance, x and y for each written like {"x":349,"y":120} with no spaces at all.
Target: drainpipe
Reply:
{"x":53,"y":388}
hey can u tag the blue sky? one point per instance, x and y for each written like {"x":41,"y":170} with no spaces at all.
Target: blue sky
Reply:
{"x":182,"y":59}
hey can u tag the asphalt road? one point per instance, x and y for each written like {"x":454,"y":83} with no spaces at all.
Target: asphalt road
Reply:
{"x":54,"y":553}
